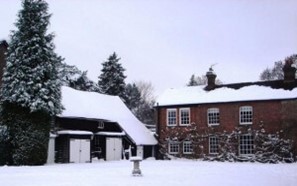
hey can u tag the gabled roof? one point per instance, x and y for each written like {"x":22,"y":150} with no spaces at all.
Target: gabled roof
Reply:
{"x":223,"y":94}
{"x":80,"y":104}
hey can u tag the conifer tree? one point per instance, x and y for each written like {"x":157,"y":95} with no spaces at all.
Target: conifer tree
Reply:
{"x":112,"y":78}
{"x":133,"y":97}
{"x":31,"y":89}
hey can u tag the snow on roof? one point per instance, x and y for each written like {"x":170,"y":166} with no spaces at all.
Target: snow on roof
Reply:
{"x":99,"y":106}
{"x":75,"y":132}
{"x":197,"y":95}
{"x":111,"y":133}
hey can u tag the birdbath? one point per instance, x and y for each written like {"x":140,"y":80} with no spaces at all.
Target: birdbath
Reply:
{"x":136,"y":170}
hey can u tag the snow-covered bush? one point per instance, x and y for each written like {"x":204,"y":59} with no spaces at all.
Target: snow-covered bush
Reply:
{"x":265,"y":148}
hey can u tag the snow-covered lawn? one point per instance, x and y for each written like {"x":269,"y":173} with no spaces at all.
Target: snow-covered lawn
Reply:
{"x":163,"y":173}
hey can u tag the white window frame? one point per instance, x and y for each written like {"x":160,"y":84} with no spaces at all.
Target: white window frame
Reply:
{"x":211,"y":147}
{"x":212,"y":113}
{"x":181,"y":120}
{"x":171,"y":146}
{"x":187,"y":147}
{"x":168,"y":117}
{"x":244,"y":112}
{"x":246,"y":145}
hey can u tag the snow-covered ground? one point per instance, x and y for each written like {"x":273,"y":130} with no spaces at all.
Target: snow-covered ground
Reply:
{"x":163,"y":173}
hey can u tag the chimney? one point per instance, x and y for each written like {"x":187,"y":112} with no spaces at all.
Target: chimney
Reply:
{"x":289,"y":71}
{"x":211,"y":79}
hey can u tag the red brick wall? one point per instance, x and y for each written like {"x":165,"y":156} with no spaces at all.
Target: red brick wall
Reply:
{"x":289,"y":121}
{"x":268,"y":113}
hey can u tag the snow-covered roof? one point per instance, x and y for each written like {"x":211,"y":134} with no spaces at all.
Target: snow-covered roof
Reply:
{"x":93,"y":105}
{"x":197,"y":95}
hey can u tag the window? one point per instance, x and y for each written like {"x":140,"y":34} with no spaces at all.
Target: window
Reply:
{"x":213,"y":145}
{"x":187,"y":147}
{"x":184,"y":115}
{"x":246,"y":115}
{"x":213,"y":116}
{"x":246,"y":144}
{"x":173,"y":148}
{"x":171,"y":117}
{"x":100,"y":125}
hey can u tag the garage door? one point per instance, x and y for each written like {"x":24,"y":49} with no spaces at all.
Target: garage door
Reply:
{"x":79,"y":150}
{"x":113,"y":149}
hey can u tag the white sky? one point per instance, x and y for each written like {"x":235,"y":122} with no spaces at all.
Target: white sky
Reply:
{"x":166,"y":41}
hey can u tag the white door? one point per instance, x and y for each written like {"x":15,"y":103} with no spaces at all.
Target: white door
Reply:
{"x":85,"y":150}
{"x":139,"y":151}
{"x":79,"y":150}
{"x":113,"y":149}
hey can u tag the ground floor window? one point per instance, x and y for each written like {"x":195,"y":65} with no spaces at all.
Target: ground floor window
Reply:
{"x":173,"y":148}
{"x":213,"y":145}
{"x":246,"y":144}
{"x":187,"y":147}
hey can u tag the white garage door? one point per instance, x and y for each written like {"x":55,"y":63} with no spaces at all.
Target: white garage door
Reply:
{"x":80,"y":150}
{"x":113,"y":149}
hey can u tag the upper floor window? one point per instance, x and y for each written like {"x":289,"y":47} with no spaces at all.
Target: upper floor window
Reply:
{"x":246,"y":115}
{"x":171,"y":117}
{"x":173,"y":147}
{"x":187,"y":147}
{"x":246,"y":144}
{"x":213,"y":116}
{"x":184,"y":115}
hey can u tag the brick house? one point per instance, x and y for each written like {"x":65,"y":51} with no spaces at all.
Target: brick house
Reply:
{"x":190,"y":119}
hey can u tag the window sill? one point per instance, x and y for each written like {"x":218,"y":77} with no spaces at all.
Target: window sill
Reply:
{"x":184,"y":125}
{"x":187,"y":153}
{"x":171,"y":125}
{"x":213,"y":125}
{"x":245,"y":123}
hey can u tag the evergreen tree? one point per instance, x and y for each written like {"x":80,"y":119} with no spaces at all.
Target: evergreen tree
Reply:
{"x":133,"y":97}
{"x":84,"y":83}
{"x":192,"y":81}
{"x":31,"y":89}
{"x":140,"y":102}
{"x":112,"y":79}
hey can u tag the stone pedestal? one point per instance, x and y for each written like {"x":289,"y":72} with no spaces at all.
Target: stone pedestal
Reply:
{"x":136,"y":169}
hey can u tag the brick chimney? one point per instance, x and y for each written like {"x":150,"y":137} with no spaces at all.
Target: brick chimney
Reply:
{"x":211,"y":79}
{"x":289,"y":71}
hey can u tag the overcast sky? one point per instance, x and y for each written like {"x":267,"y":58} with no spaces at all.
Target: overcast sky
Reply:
{"x":166,"y":41}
